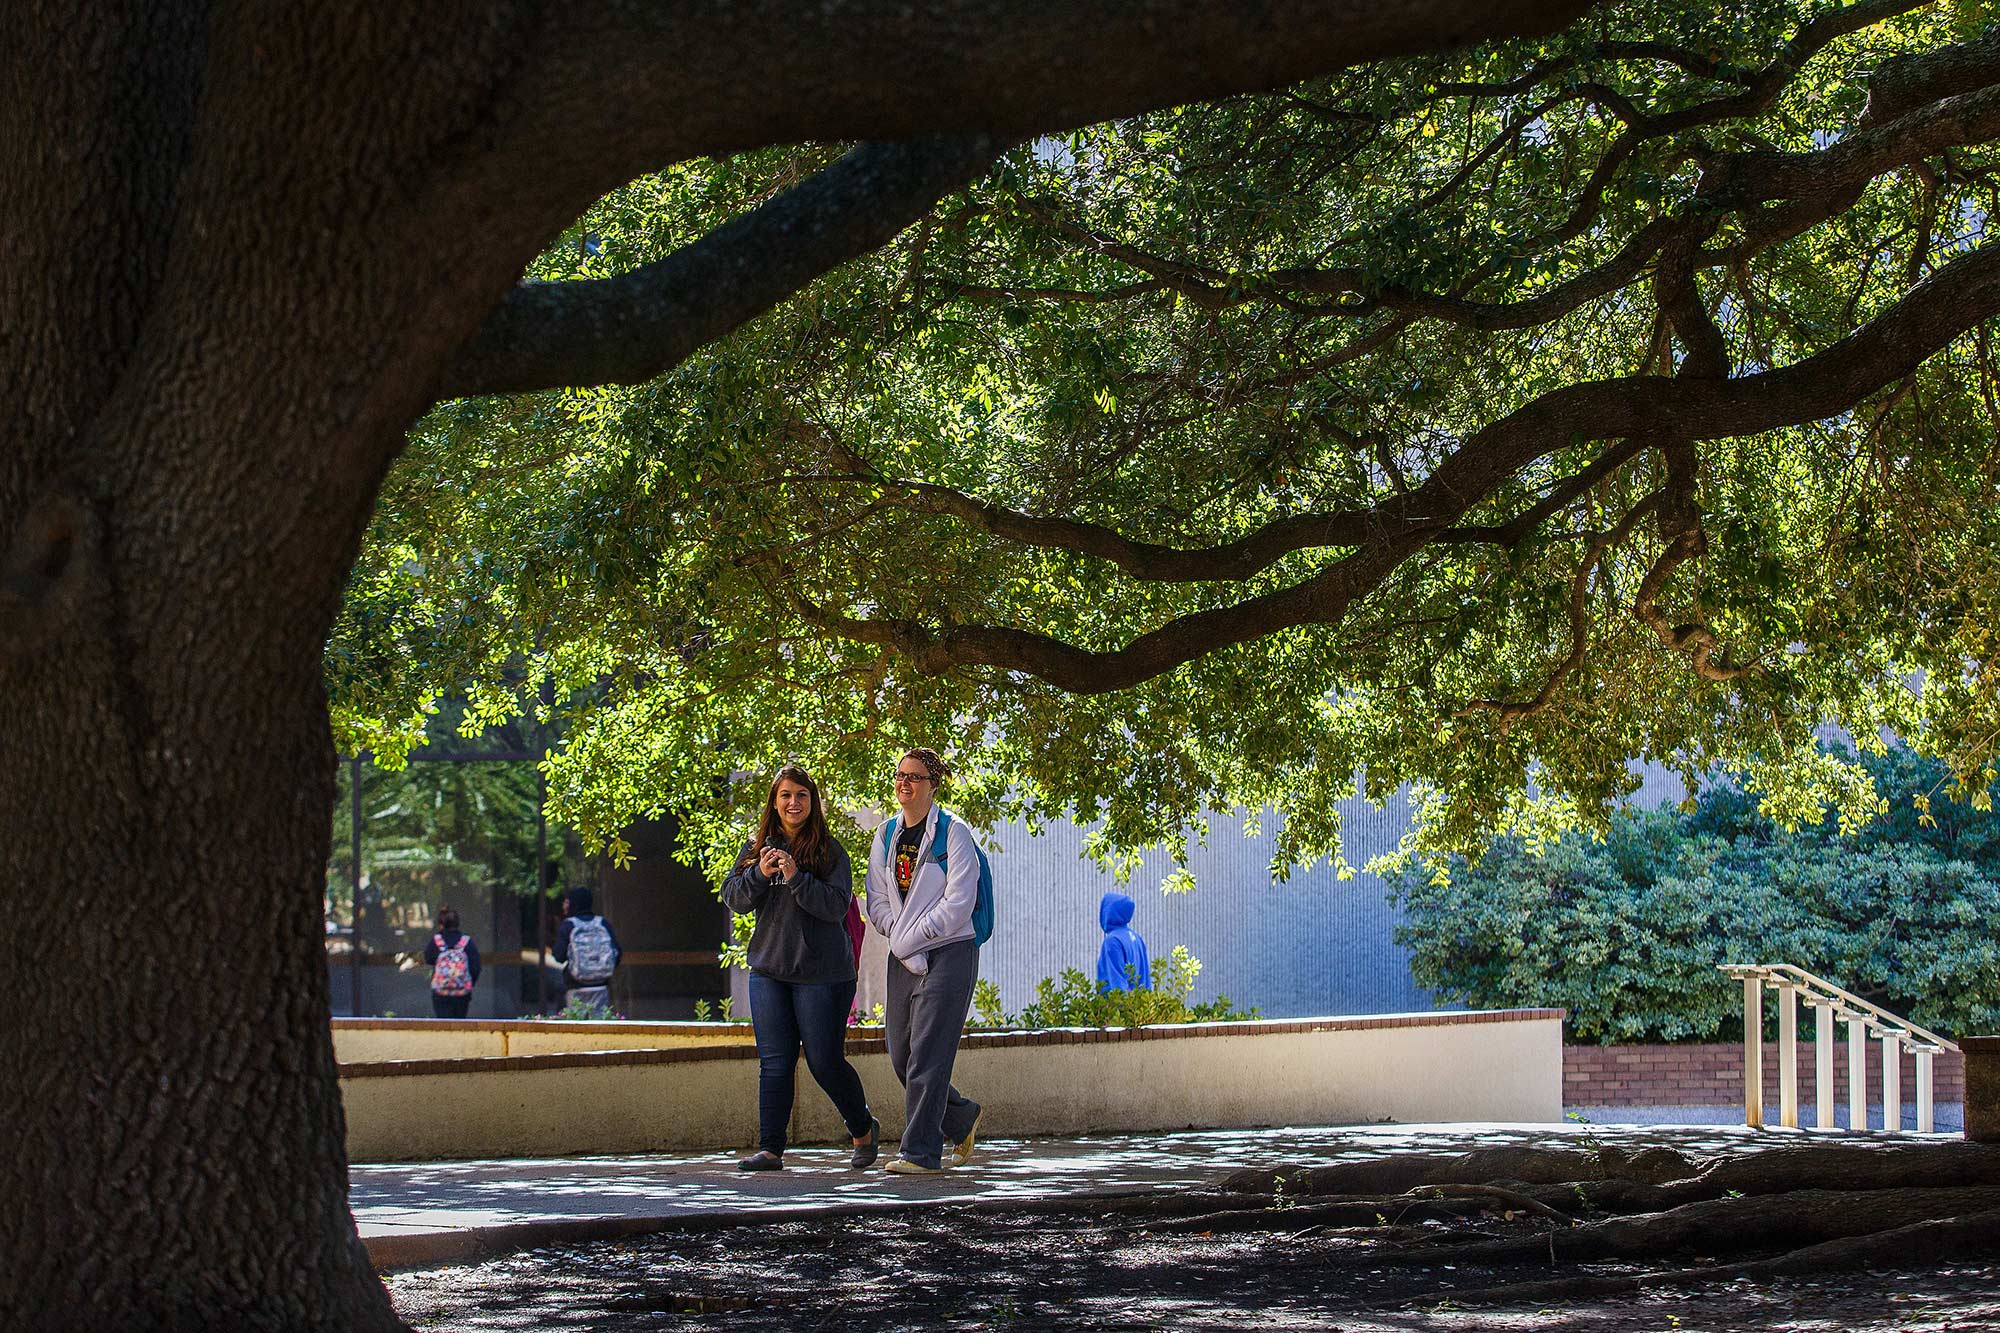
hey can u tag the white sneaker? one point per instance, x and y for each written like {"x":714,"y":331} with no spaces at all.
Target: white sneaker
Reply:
{"x":961,"y":1152}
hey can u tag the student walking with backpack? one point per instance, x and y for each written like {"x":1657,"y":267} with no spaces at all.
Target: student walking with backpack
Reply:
{"x":454,"y":963}
{"x":930,"y":892}
{"x":799,"y":882}
{"x":587,"y":950}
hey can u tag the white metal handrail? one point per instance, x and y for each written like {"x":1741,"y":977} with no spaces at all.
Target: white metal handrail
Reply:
{"x":1830,"y":1004}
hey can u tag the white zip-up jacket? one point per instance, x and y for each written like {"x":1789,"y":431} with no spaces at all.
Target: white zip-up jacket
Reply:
{"x":938,"y":908}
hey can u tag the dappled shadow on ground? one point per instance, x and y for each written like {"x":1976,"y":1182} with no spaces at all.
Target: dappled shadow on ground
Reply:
{"x":443,"y":1196}
{"x":1029,"y":1239}
{"x":958,"y":1267}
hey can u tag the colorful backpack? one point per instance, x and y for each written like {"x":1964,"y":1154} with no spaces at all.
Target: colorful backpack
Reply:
{"x":982,"y":906}
{"x":452,"y":974}
{"x":592,"y":956}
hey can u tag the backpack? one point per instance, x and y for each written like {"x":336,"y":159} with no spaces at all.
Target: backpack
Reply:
{"x":592,"y":956}
{"x":452,"y":975}
{"x":856,"y":932}
{"x":982,"y":906}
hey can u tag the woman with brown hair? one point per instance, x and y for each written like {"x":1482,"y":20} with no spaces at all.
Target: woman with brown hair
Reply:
{"x":799,"y":882}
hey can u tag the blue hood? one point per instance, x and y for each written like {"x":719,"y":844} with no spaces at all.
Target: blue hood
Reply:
{"x":1115,"y":911}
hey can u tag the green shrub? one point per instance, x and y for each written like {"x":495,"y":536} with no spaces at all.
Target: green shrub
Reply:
{"x":1074,"y":1000}
{"x":1626,"y":934}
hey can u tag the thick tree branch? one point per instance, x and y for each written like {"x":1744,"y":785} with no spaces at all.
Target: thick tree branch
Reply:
{"x":1908,"y":82}
{"x":627,"y":329}
{"x":1231,"y":561}
{"x":1563,"y":298}
{"x":608,"y":89}
{"x":1958,"y":296}
{"x":1758,"y":94}
{"x":1967,"y":118}
{"x":1705,"y":654}
{"x":649,"y":82}
{"x":1228,"y":561}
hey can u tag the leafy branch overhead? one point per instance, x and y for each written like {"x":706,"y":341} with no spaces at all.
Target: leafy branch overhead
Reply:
{"x":1624,"y":392}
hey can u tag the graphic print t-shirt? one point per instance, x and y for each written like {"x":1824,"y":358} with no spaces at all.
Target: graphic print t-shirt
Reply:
{"x":906,"y":856}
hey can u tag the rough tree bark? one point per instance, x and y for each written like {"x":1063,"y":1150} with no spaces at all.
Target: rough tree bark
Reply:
{"x":240,"y":253}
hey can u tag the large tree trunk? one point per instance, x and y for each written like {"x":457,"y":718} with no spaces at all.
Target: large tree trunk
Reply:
{"x":178,"y":1160}
{"x":217,"y":327}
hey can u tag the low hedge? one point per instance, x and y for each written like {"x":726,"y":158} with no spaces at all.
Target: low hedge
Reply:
{"x":1626,"y":933}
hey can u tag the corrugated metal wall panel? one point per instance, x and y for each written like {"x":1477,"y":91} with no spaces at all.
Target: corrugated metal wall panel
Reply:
{"x":1314,"y":945}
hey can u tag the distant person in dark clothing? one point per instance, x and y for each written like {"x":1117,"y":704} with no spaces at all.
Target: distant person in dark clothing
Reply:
{"x":800,"y":884}
{"x":454,"y":963}
{"x":587,"y":950}
{"x":1123,"y":947}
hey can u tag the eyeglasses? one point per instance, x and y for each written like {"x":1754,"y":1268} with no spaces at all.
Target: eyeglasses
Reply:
{"x":900,"y":778}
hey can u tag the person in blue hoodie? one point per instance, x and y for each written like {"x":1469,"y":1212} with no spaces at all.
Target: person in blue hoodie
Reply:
{"x":1123,"y":947}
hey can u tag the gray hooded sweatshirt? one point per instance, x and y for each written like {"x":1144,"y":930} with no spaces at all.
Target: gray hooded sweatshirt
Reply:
{"x":938,"y":908}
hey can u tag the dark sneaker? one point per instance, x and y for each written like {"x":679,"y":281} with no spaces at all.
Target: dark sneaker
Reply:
{"x":961,"y":1152}
{"x":869,"y":1148}
{"x":903,"y":1166}
{"x":761,"y":1161}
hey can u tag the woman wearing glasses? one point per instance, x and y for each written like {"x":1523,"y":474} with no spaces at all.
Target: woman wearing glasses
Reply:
{"x":799,"y":882}
{"x":921,"y":892}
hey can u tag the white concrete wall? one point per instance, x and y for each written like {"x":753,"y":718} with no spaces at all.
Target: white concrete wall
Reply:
{"x":1503,"y":1066}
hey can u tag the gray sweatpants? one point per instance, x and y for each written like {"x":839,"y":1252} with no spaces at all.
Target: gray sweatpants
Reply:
{"x":923,"y":1018}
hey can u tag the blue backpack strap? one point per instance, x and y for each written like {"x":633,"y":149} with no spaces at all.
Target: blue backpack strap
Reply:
{"x":938,"y":846}
{"x":889,"y":841}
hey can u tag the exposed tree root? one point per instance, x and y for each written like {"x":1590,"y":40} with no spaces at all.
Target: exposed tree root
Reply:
{"x":1385,"y":1213}
{"x":1719,"y":1226}
{"x":1844,"y":1166}
{"x":1808,"y":1207}
{"x":1612,"y":1180}
{"x":1443,"y":1203}
{"x":1484,"y":1166}
{"x":1141,"y":1208}
{"x":1974,"y":1236}
{"x":1378,"y":1235}
{"x":1514,"y":1200}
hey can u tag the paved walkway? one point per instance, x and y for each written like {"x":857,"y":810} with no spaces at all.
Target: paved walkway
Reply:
{"x":436,"y":1212}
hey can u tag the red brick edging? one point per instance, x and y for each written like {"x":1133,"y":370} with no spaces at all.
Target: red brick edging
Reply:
{"x":1712,"y":1075}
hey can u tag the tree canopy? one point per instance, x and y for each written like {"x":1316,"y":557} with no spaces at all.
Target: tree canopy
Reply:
{"x":1479,"y":421}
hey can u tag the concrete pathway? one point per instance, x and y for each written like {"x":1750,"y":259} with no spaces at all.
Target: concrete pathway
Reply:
{"x":440,"y":1212}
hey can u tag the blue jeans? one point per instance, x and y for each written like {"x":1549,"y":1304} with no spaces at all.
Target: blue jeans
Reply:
{"x":787,"y":1015}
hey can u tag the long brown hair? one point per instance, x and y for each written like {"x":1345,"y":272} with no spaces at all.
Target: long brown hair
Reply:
{"x":814,"y":846}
